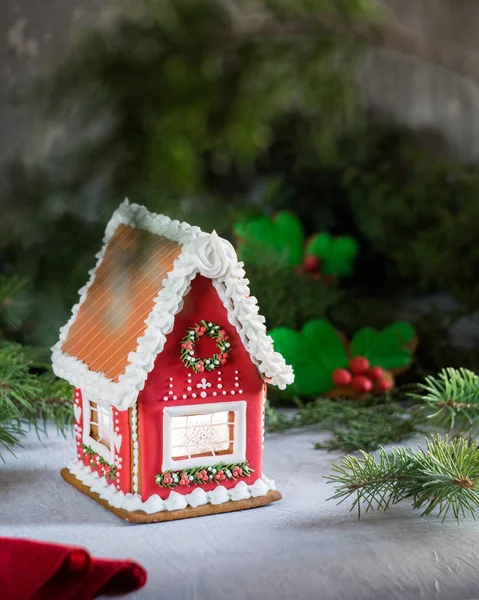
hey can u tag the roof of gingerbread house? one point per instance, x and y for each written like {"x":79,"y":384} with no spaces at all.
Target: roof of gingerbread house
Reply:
{"x":127,"y":308}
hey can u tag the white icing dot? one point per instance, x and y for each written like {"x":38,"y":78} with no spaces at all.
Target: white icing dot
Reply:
{"x":189,"y":389}
{"x":215,"y":394}
{"x":236,"y":372}
{"x":224,"y":393}
{"x":165,"y":397}
{"x":170,"y":392}
{"x":219,"y":385}
{"x":175,"y":398}
{"x":219,"y":372}
{"x":233,"y":392}
{"x":171,"y":385}
{"x":240,"y":391}
{"x":171,"y":378}
{"x":236,"y":384}
{"x":219,"y":379}
{"x":193,"y":395}
{"x":203,"y":394}
{"x":185,"y":396}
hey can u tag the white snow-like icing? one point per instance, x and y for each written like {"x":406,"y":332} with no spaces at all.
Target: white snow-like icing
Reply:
{"x":175,"y":501}
{"x":203,"y":253}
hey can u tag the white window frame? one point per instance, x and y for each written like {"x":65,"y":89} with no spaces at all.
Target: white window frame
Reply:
{"x":98,"y":447}
{"x":239,"y":434}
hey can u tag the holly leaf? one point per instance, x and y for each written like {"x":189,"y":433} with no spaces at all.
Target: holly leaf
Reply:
{"x":390,"y":348}
{"x":314,"y":354}
{"x":283,"y":235}
{"x":337,"y":255}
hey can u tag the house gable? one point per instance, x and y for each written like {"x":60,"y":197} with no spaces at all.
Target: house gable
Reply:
{"x":169,"y":380}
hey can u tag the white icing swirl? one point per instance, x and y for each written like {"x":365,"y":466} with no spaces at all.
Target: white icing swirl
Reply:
{"x":212,"y":255}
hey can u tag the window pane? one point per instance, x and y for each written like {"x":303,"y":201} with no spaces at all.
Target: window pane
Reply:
{"x":100,"y":424}
{"x":202,"y":435}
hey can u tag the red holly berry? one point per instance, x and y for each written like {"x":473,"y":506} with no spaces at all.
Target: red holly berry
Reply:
{"x":359,"y":365}
{"x":341,"y":377}
{"x":362,"y":384}
{"x":312,"y":264}
{"x":384,"y":385}
{"x":376,"y":373}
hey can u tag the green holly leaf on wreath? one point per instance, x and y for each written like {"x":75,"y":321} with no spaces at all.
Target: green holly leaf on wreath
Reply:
{"x":390,"y":348}
{"x":283,"y":235}
{"x":314,"y":353}
{"x":337,"y":254}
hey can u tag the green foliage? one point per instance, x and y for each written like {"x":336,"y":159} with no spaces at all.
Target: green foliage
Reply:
{"x":319,"y":349}
{"x":353,"y":424}
{"x":415,"y":209}
{"x":281,"y":236}
{"x":12,"y":303}
{"x":451,"y":401}
{"x":337,"y":254}
{"x":30,"y":394}
{"x":389,"y":348}
{"x":443,"y":477}
{"x":314,"y":354}
{"x":287,"y":298}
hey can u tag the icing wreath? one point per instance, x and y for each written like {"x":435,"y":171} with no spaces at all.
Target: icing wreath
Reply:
{"x":193,"y":334}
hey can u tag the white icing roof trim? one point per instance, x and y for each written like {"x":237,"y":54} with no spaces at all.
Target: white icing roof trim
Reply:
{"x":203,"y":253}
{"x":175,"y":501}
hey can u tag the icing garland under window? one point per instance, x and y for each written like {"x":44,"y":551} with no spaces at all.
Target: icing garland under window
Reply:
{"x":193,"y":334}
{"x":96,"y":461}
{"x":202,"y":475}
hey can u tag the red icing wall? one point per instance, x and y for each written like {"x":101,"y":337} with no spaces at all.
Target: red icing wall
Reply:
{"x":121,"y":442}
{"x":238,"y":379}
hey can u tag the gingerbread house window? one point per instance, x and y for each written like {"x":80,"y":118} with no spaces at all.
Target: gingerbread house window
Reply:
{"x":204,"y":434}
{"x":98,"y":427}
{"x":100,"y":424}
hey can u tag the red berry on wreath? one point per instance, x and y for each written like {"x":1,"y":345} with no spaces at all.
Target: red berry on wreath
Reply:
{"x":384,"y":385}
{"x":359,"y":365}
{"x":362,"y":384}
{"x":376,"y":373}
{"x":341,"y":377}
{"x":312,"y":264}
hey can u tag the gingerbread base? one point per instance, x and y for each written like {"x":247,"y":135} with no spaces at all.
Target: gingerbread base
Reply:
{"x":139,"y":516}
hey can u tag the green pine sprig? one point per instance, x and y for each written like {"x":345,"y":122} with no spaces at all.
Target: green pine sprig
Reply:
{"x":442,"y":477}
{"x":451,"y":401}
{"x":353,"y":424}
{"x":28,"y":399}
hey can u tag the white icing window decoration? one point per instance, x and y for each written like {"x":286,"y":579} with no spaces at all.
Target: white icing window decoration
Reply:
{"x":198,"y":435}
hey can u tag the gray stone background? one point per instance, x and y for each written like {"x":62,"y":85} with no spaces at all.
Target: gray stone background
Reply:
{"x":413,"y":92}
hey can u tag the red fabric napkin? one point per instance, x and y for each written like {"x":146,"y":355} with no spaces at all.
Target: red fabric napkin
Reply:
{"x":31,"y":570}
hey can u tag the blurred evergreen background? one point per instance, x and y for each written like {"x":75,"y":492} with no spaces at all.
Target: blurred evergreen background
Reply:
{"x":212,"y":111}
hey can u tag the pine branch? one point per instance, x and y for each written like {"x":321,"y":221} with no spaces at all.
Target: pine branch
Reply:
{"x":444,"y":477}
{"x":451,"y":401}
{"x":354,"y":424}
{"x":28,"y":399}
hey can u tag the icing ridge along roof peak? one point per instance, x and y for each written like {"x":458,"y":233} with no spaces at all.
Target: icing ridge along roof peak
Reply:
{"x":147,"y":264}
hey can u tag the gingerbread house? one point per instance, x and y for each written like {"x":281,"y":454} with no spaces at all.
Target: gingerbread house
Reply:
{"x":170,"y":360}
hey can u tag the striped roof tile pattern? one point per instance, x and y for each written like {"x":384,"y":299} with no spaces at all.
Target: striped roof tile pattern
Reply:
{"x":121,"y":297}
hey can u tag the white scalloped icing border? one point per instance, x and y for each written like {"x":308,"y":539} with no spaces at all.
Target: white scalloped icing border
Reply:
{"x":175,"y":501}
{"x":202,"y":253}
